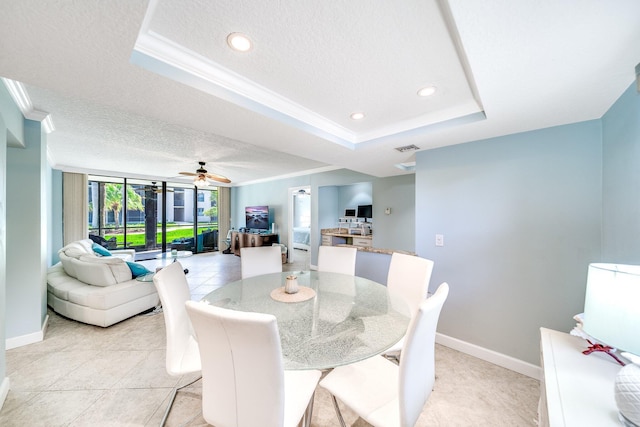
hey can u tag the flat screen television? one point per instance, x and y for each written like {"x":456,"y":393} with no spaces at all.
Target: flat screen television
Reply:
{"x":365,"y":211}
{"x":257,"y":217}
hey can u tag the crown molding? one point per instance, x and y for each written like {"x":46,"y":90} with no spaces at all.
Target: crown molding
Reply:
{"x":163,"y":56}
{"x":20,"y":96}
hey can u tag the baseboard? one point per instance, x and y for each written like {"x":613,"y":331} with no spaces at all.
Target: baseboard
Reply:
{"x":23,"y":340}
{"x":491,"y":356}
{"x":4,"y":391}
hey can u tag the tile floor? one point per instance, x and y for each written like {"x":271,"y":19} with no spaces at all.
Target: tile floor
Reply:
{"x":83,"y":375}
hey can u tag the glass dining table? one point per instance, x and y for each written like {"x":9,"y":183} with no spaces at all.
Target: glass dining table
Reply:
{"x":345,"y":318}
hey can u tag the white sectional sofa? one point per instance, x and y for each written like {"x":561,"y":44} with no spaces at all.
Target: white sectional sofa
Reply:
{"x":99,"y":290}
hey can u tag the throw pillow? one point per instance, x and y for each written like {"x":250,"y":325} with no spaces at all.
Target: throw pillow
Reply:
{"x":137,"y":269}
{"x":100,"y":250}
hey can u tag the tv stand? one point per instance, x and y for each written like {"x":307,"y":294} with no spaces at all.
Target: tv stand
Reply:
{"x":251,"y":239}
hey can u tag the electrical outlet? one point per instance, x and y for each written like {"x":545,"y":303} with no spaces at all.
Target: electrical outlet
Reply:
{"x":439,"y":240}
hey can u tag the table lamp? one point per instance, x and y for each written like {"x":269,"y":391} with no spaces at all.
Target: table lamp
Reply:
{"x":612,"y":316}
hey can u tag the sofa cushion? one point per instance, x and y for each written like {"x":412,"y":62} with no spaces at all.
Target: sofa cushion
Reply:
{"x":73,"y":251}
{"x":66,"y":264}
{"x":77,"y":248}
{"x":105,"y":298}
{"x":60,"y":283}
{"x":101,"y":271}
{"x":137,"y":269}
{"x":100,"y":250}
{"x":86,"y":244}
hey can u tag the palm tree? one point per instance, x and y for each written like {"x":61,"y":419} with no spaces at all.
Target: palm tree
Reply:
{"x":114,"y":200}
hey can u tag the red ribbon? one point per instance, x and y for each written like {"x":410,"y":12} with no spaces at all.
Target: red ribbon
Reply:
{"x":603,"y":348}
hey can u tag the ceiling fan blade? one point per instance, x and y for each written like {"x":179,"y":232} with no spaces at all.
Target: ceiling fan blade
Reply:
{"x":218,"y":178}
{"x":189,"y":173}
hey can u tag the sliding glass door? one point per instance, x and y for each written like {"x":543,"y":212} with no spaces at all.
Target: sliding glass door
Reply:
{"x":149,"y":217}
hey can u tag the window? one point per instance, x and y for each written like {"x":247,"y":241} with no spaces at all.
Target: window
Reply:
{"x":178,"y":198}
{"x":128,"y":213}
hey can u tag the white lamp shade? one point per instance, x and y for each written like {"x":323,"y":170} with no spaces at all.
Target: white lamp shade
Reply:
{"x":612,"y":306}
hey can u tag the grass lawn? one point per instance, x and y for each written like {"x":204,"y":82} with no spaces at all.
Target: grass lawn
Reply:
{"x":138,"y":239}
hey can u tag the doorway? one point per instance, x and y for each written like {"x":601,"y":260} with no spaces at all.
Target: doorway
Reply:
{"x":300,"y":227}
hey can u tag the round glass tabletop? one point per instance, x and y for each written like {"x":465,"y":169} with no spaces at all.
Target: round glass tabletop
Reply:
{"x":349,"y":319}
{"x":145,"y":277}
{"x":171,"y":255}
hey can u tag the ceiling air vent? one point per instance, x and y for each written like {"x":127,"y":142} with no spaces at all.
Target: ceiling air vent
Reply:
{"x":407,"y":148}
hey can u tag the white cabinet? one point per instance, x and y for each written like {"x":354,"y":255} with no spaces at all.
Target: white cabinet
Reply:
{"x":576,"y":389}
{"x":362,"y":242}
{"x":332,"y":239}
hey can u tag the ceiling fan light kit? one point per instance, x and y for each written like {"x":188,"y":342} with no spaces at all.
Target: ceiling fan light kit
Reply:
{"x":200,"y":181}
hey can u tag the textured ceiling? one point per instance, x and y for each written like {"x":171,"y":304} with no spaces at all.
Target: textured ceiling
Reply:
{"x":316,"y":62}
{"x":148,"y":89}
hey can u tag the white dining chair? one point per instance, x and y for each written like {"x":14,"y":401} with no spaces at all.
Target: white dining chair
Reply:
{"x":408,"y":277}
{"x":337,"y":259}
{"x":243,"y":380}
{"x":260,"y":260}
{"x":385,"y":394}
{"x":182,"y":354}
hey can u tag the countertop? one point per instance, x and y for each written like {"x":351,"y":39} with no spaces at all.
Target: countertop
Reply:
{"x":378,"y":250}
{"x":343,"y":232}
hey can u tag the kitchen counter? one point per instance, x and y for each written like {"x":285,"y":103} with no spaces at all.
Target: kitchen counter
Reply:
{"x":342,"y":232}
{"x":377,"y":250}
{"x":341,"y":237}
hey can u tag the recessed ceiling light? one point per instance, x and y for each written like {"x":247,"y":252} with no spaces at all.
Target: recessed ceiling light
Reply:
{"x":357,"y":116}
{"x":239,"y":42}
{"x":427,"y":91}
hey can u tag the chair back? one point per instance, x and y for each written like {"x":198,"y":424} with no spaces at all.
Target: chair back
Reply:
{"x":417,"y":364}
{"x":260,"y":260}
{"x":337,"y":259}
{"x":242,"y":368}
{"x":182,"y":354}
{"x":409,"y":277}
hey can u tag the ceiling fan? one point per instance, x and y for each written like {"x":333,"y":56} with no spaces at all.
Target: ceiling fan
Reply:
{"x":202,"y":176}
{"x":157,"y":189}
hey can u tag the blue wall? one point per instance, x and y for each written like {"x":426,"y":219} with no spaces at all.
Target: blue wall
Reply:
{"x":4,"y":380}
{"x":27,"y":212}
{"x":521,"y":219}
{"x":621,"y":180}
{"x":397,"y":192}
{"x":352,"y":196}
{"x":522,"y":216}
